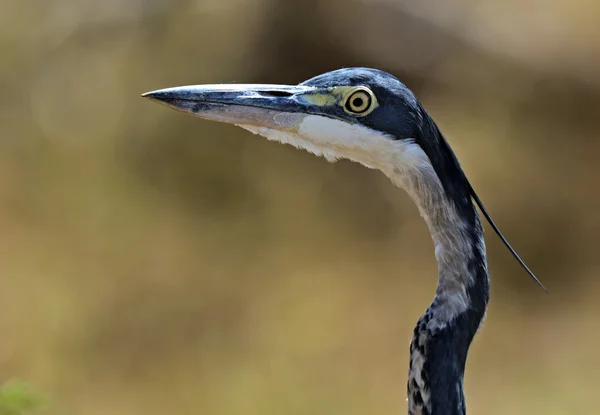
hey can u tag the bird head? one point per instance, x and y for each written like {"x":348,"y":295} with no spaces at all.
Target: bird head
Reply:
{"x":361,"y":114}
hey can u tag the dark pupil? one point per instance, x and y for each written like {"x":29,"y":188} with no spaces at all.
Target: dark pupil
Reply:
{"x":358,"y":102}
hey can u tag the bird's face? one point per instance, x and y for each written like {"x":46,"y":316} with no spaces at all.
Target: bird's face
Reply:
{"x":360,"y":114}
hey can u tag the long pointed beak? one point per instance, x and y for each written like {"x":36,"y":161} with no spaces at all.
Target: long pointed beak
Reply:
{"x":280,"y":107}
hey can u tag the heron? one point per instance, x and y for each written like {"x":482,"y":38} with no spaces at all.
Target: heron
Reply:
{"x":369,"y":116}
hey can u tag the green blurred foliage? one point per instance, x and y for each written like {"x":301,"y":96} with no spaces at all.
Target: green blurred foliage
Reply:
{"x":17,"y":399}
{"x":155,"y":263}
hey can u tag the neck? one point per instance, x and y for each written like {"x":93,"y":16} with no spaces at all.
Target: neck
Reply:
{"x":428,"y":170}
{"x":443,"y":334}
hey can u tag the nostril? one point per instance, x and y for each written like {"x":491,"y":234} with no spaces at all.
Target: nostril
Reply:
{"x":276,"y":93}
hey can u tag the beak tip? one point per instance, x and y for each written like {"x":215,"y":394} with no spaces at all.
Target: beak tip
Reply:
{"x":156,"y":96}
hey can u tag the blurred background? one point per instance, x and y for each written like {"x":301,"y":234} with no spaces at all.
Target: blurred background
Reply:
{"x":155,"y":263}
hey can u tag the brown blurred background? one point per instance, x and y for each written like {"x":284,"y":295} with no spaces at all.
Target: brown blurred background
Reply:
{"x":153,"y":263}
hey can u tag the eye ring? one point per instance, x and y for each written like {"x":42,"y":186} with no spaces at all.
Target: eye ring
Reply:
{"x":359,"y":102}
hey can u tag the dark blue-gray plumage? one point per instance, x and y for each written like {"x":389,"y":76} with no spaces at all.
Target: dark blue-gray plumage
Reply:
{"x":370,"y":117}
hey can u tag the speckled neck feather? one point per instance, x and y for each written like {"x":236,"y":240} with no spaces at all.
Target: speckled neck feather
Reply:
{"x":442,"y":336}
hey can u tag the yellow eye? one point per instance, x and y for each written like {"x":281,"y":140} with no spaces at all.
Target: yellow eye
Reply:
{"x":359,"y":102}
